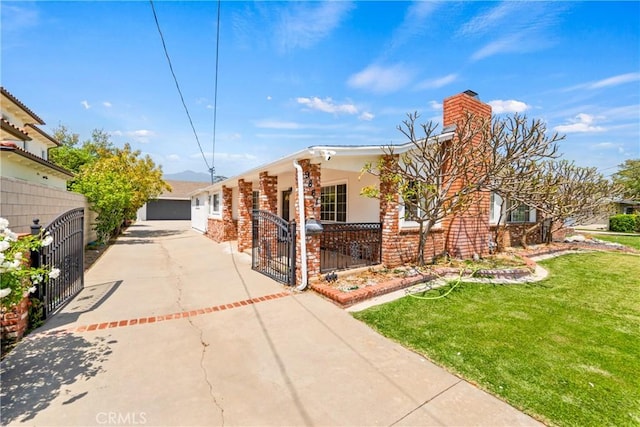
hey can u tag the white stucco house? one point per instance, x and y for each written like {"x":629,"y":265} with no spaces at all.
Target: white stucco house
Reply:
{"x":30,"y":185}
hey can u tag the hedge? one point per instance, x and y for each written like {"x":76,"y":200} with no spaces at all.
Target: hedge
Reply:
{"x":624,"y":223}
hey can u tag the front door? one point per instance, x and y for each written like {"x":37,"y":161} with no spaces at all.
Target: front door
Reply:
{"x":285,"y":208}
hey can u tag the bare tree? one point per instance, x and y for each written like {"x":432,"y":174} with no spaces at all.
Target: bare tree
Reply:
{"x":565,"y":193}
{"x":439,"y":176}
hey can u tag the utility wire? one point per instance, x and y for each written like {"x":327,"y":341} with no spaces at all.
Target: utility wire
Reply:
{"x":215,"y":98}
{"x":175,"y":79}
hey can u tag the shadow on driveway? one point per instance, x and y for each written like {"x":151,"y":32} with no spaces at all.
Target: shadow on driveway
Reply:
{"x":35,"y":372}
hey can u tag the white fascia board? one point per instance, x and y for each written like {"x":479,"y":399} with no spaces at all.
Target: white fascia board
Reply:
{"x":315,"y":151}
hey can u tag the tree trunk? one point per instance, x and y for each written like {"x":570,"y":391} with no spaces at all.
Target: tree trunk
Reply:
{"x":526,"y":232}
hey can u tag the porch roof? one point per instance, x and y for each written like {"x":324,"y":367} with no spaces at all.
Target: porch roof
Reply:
{"x":320,"y":152}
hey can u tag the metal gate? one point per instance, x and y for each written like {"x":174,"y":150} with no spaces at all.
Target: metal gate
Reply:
{"x":66,"y":252}
{"x":274,"y":247}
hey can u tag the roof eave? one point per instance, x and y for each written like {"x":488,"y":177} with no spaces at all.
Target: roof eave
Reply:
{"x":318,"y":151}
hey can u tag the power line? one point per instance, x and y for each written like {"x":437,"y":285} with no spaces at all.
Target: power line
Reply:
{"x":175,"y":79}
{"x":215,"y":98}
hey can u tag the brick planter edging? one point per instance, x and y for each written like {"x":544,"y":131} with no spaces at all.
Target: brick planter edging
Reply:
{"x":346,"y":299}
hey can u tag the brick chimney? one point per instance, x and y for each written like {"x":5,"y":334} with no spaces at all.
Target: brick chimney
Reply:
{"x":467,"y":234}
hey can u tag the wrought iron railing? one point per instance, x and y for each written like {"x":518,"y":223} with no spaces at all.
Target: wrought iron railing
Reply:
{"x":350,"y":245}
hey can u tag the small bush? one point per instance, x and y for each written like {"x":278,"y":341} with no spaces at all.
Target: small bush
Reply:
{"x":624,"y":223}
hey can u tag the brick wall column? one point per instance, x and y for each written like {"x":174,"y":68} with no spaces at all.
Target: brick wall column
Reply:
{"x":312,"y":187}
{"x":245,"y":207}
{"x":268,"y":193}
{"x":229,"y":227}
{"x":467,"y":233}
{"x":389,"y":219}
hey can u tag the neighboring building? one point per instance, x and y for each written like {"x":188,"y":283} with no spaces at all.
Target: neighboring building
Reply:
{"x":30,"y":185}
{"x":174,"y":204}
{"x":627,"y":206}
{"x":24,"y":148}
{"x":356,"y":230}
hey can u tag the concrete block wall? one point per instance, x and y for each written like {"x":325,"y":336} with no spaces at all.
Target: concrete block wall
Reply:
{"x":21,"y":202}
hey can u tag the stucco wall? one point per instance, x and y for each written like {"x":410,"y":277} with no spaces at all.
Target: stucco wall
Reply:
{"x":21,"y":202}
{"x":359,"y":208}
{"x":11,"y":168}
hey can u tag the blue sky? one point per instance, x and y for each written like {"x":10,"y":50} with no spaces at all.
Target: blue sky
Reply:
{"x":294,"y":74}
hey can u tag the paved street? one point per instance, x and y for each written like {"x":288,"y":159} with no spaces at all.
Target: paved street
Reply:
{"x":175,"y":329}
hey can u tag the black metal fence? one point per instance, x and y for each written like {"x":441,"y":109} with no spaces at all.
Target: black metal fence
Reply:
{"x":350,"y":245}
{"x":66,"y":252}
{"x":274,"y":247}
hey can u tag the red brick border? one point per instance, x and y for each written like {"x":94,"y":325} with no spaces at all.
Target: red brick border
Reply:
{"x":346,"y":299}
{"x":172,"y":316}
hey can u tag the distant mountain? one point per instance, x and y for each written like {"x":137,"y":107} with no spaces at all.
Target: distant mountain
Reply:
{"x":192,"y":176}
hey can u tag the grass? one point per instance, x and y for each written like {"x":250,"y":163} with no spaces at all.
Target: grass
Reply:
{"x":633,"y":241}
{"x":565,"y":350}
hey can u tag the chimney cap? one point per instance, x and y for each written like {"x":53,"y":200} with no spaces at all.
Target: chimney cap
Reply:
{"x":470,"y":93}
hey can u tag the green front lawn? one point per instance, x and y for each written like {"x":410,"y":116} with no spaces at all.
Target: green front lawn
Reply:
{"x":565,"y":350}
{"x":632,"y":240}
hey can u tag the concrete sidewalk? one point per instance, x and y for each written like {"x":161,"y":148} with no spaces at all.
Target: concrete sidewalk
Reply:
{"x":174,"y":329}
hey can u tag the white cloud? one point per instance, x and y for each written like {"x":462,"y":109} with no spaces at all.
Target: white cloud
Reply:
{"x":438,"y":82}
{"x":580,"y":124}
{"x":116,"y":133}
{"x":209,"y":107}
{"x":508,"y":44}
{"x":615,"y":80}
{"x":483,"y":22}
{"x":275,"y":124}
{"x":141,"y":133}
{"x":85,"y":104}
{"x":609,"y":146}
{"x":380,"y":79}
{"x":435,"y":105}
{"x":500,"y":106}
{"x":269,"y":98}
{"x":516,"y":27}
{"x":173,"y":157}
{"x":327,"y":105}
{"x":366,"y":116}
{"x":606,"y":82}
{"x":415,"y":23}
{"x":302,"y":25}
{"x":107,"y":104}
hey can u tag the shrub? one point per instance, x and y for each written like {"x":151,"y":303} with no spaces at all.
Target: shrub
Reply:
{"x":624,"y":223}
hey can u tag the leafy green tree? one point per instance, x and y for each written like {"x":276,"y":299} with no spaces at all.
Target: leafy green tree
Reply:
{"x":116,"y":181}
{"x":628,"y":178}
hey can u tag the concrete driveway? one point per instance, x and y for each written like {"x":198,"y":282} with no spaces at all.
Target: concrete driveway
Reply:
{"x":174,"y":329}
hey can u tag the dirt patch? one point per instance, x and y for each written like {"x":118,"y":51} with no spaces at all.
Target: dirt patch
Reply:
{"x":92,"y":253}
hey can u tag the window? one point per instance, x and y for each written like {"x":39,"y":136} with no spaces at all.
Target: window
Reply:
{"x":417,"y":203}
{"x":197,"y":202}
{"x":333,"y":203}
{"x":255,"y":200}
{"x":522,"y":213}
{"x":215,"y":206}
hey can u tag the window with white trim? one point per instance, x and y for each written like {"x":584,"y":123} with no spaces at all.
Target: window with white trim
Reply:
{"x":333,"y":203}
{"x":215,"y":204}
{"x":522,"y":213}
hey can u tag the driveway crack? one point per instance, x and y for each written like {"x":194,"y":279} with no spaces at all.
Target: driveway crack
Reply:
{"x":203,"y":343}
